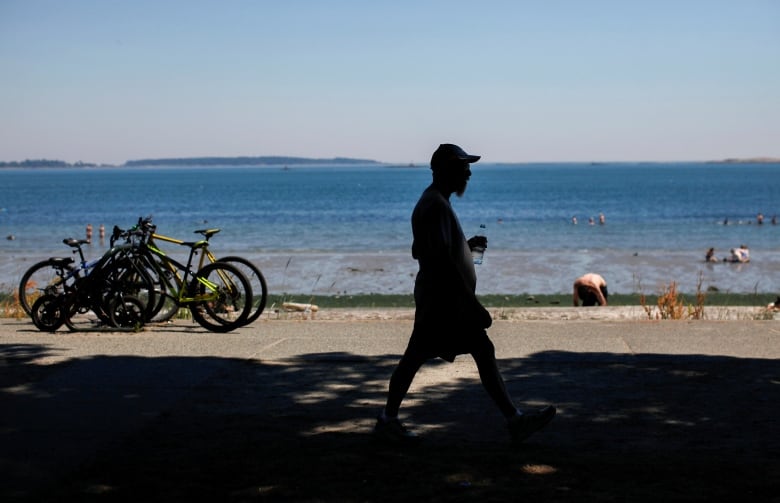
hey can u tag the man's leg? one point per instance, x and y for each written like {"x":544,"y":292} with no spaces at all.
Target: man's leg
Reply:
{"x":485,"y":358}
{"x":401,"y":380}
{"x":521,"y":425}
{"x":388,"y":428}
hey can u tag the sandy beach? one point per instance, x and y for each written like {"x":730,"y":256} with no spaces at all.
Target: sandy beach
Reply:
{"x":540,"y":272}
{"x":517,"y":314}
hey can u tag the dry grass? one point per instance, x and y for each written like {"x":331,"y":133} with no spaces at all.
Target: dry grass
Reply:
{"x":10,"y":307}
{"x":671,"y":304}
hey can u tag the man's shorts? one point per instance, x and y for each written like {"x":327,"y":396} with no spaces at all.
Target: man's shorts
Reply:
{"x":447,"y":343}
{"x":588,"y":297}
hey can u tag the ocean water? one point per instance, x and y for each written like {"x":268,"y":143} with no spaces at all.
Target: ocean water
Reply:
{"x":328,"y":230}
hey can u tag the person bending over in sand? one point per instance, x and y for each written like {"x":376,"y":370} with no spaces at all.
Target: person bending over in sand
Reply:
{"x":591,"y":289}
{"x":449,"y":320}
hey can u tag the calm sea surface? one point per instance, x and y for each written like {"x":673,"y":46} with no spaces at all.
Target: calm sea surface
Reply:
{"x":334,"y":219}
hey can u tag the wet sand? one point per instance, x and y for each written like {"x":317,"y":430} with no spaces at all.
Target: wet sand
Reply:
{"x":321,"y":273}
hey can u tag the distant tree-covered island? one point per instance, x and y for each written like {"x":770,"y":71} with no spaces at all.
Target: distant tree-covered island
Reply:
{"x":749,"y":160}
{"x":46,"y":163}
{"x":247,"y":161}
{"x":196,"y":161}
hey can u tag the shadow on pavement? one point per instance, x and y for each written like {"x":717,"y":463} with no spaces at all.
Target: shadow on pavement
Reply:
{"x":660,"y":427}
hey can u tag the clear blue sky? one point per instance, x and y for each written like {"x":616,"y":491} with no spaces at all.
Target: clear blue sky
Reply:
{"x":545,"y":80}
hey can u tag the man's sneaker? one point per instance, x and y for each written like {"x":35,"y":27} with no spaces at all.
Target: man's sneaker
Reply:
{"x":523,"y":426}
{"x":392,"y":431}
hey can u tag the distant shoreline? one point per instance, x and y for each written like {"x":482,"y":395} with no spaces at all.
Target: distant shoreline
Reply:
{"x":283,"y":161}
{"x":194,"y":162}
{"x":750,"y":160}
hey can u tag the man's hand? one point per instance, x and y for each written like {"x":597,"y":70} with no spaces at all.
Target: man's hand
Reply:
{"x":477,"y":241}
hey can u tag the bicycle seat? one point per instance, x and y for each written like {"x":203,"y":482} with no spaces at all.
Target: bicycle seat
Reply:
{"x":61,"y":261}
{"x":207,"y":233}
{"x":75,"y":242}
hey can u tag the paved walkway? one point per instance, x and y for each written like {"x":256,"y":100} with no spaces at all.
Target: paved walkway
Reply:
{"x":699,"y":386}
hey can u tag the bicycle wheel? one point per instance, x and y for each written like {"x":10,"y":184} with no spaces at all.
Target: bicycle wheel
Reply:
{"x":126,"y":278}
{"x":167,"y":305}
{"x":93,"y":295}
{"x":256,"y":280}
{"x":224,"y":297}
{"x":39,"y":280}
{"x":47,"y":313}
{"x":166,"y":287}
{"x":79,"y":312}
{"x":127,"y":312}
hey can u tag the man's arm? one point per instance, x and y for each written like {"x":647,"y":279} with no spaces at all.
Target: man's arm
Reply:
{"x":600,"y":296}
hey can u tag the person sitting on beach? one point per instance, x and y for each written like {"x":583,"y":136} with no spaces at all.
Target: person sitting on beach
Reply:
{"x":449,"y":319}
{"x":591,"y":288}
{"x":739,"y":255}
{"x":744,"y":253}
{"x":710,"y":257}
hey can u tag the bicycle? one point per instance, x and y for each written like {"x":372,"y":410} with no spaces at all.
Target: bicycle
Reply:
{"x":117,"y":292}
{"x":216,"y":294}
{"x":247,"y":268}
{"x":44,"y":277}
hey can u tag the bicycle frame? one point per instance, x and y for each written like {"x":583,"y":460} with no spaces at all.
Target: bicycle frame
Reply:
{"x":80,"y":271}
{"x":173,"y":266}
{"x":206,"y":251}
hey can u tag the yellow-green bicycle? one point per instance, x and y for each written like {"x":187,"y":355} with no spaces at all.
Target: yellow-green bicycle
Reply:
{"x":218,"y":294}
{"x":247,"y":268}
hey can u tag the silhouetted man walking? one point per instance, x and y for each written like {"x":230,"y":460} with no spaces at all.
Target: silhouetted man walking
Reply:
{"x":449,"y":319}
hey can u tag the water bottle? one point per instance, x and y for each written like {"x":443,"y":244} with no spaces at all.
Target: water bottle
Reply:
{"x":478,"y":252}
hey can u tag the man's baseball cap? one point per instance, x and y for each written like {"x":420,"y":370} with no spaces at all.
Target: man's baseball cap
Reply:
{"x":447,"y":152}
